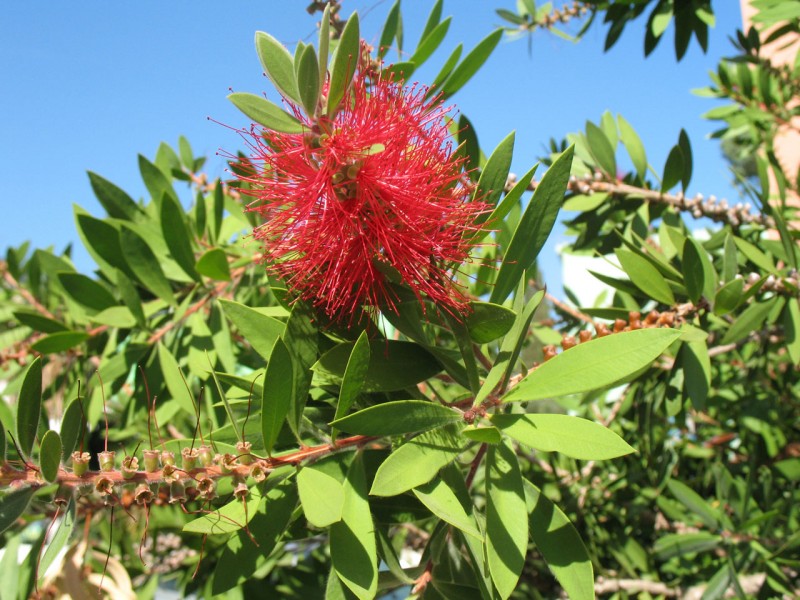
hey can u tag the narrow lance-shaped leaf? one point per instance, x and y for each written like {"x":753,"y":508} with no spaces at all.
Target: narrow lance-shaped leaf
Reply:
{"x":321,"y":495}
{"x":594,"y":364}
{"x":229,"y":518}
{"x":308,"y":81}
{"x":492,"y":181}
{"x":398,"y":417}
{"x":345,"y":62}
{"x":115,"y":201}
{"x":355,"y":375}
{"x":633,"y":144}
{"x":506,"y":519}
{"x":417,"y":462}
{"x":572,"y":436}
{"x":534,"y":227}
{"x":145,"y":265}
{"x":354,"y":551}
{"x":277,"y":63}
{"x":645,"y":276}
{"x":601,"y":149}
{"x":471,"y":63}
{"x":277,"y":393}
{"x":265,"y":113}
{"x":176,"y":235}
{"x":258,"y":329}
{"x":50,"y":455}
{"x":560,"y":544}
{"x":442,"y":501}
{"x":13,"y":504}
{"x":29,"y":406}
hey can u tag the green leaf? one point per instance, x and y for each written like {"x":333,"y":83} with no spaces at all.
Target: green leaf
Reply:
{"x":302,"y":339}
{"x":73,"y":426}
{"x":102,"y":241}
{"x":441,"y":500}
{"x":231,"y":517}
{"x":116,"y":316}
{"x":241,"y":558}
{"x":50,"y":455}
{"x":488,"y":321}
{"x":673,"y":169}
{"x":601,"y":149}
{"x":171,"y":372}
{"x":692,"y":500}
{"x":321,"y":496}
{"x":214,"y":264}
{"x":752,"y":319}
{"x":354,"y":377}
{"x":492,"y":181}
{"x":308,"y":82}
{"x":86,"y":291}
{"x":633,"y":144}
{"x":278,"y":65}
{"x":679,"y":544}
{"x":686,"y":155}
{"x":755,"y":255}
{"x":13,"y":505}
{"x":429,"y":43}
{"x":506,"y":519}
{"x":696,"y":366}
{"x":594,"y":364}
{"x":259,"y":330}
{"x":59,"y":342}
{"x":728,"y":296}
{"x":29,"y":407}
{"x":471,"y":63}
{"x":354,"y":551}
{"x":265,"y":113}
{"x":114,"y":200}
{"x":433,"y":19}
{"x":324,"y":42}
{"x":417,"y":462}
{"x":177,"y":235}
{"x":39,"y":323}
{"x":534,"y":227}
{"x":560,"y":544}
{"x":645,"y":276}
{"x":60,"y":538}
{"x":692,"y":267}
{"x":277,"y":393}
{"x":510,"y":348}
{"x":393,"y":365}
{"x":575,"y":437}
{"x":484,"y":435}
{"x":345,"y":62}
{"x":156,"y":182}
{"x":144,"y":264}
{"x":395,"y":418}
{"x":2,"y":444}
{"x":390,"y":29}
{"x":791,"y":328}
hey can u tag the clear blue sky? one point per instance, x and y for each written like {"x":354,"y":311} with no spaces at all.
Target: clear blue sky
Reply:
{"x":88,"y":85}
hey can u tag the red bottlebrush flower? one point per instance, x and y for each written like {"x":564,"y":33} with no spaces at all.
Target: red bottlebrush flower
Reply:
{"x":375,"y":186}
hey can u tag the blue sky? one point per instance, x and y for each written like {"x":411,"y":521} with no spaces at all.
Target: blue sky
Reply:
{"x":89,"y":85}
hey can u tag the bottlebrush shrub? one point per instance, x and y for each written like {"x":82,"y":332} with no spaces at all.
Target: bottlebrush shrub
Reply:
{"x":403,"y":422}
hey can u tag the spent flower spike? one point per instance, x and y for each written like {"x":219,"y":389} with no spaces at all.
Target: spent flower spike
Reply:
{"x":370,"y":195}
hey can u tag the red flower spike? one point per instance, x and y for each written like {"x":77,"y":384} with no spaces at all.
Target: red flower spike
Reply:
{"x":376,"y":186}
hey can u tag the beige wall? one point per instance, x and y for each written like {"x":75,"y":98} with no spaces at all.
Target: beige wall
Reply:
{"x":787,"y":142}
